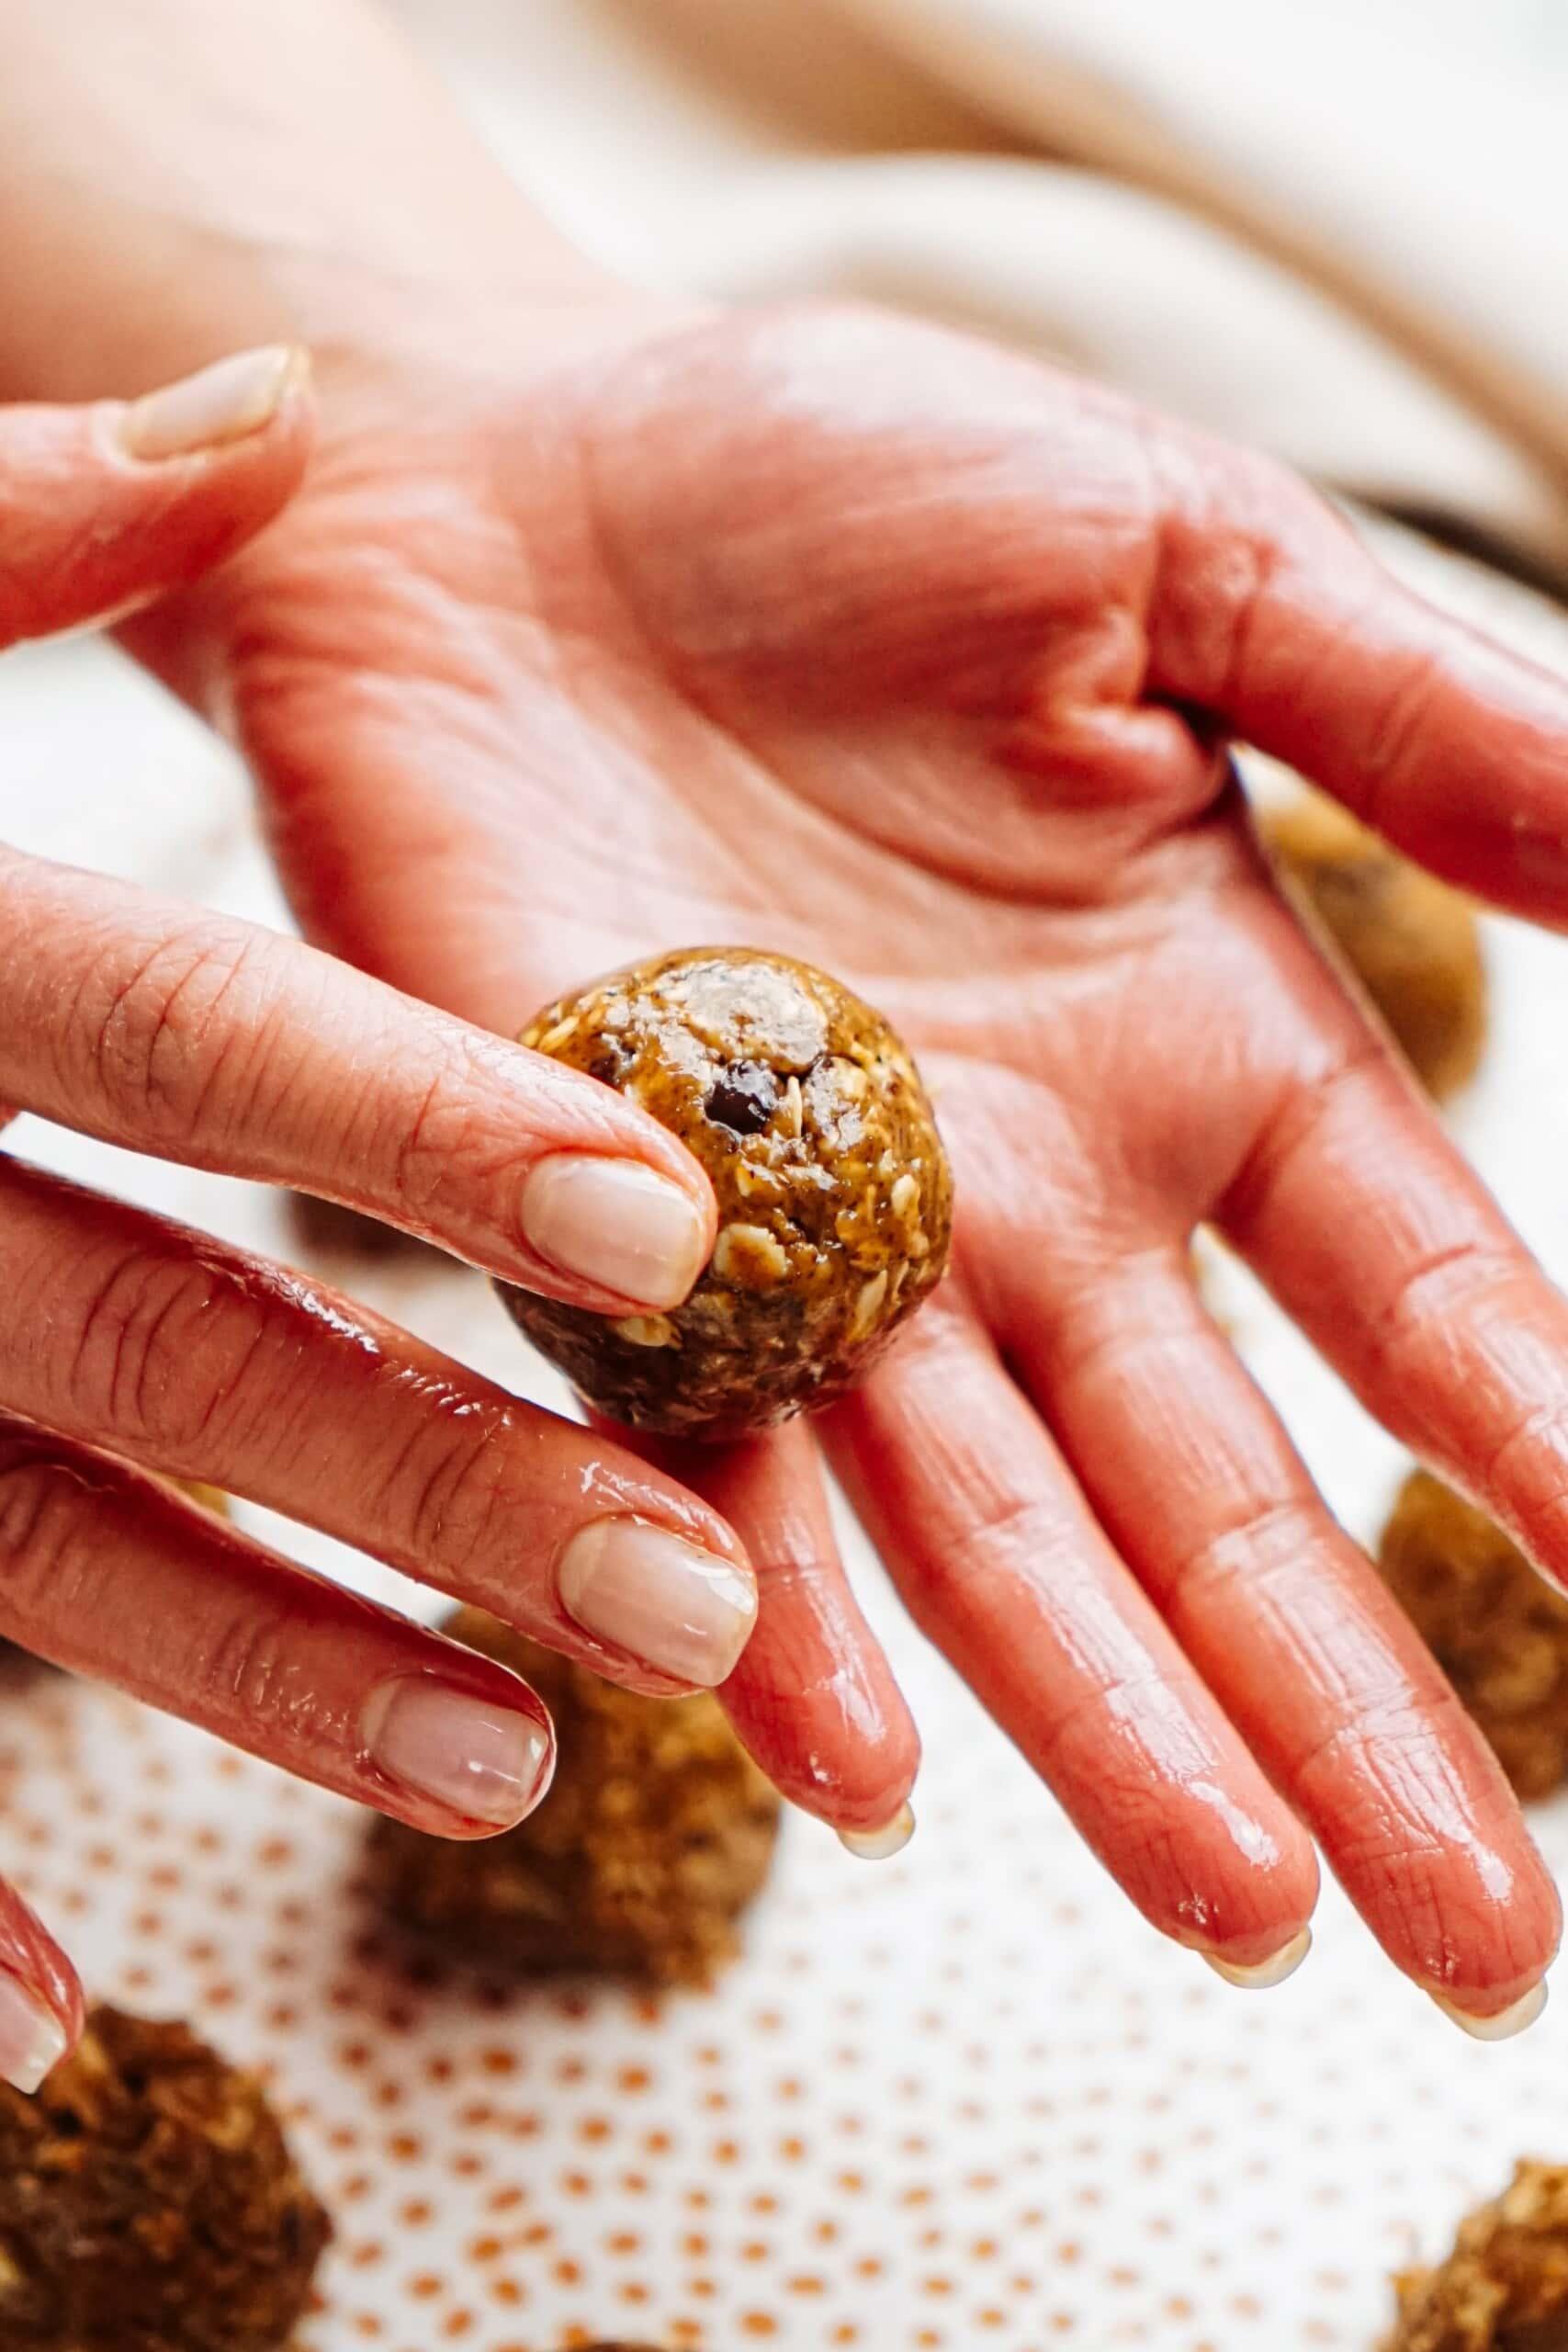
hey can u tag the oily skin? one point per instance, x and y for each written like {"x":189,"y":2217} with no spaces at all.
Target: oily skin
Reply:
{"x":134,"y":1353}
{"x":876,"y":646}
{"x":602,"y":627}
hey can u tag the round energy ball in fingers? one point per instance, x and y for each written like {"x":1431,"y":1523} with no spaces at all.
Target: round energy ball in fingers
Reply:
{"x":835,"y":1198}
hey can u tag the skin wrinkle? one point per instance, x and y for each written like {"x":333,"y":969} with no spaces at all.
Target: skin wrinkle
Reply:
{"x":750,"y":522}
{"x":25,"y":1507}
{"x":1460,"y":1274}
{"x":1237,"y":1550}
{"x":125,"y":1076}
{"x":1325,"y":1633}
{"x":210,"y":978}
{"x":1286,"y":1128}
{"x":121,"y":1321}
{"x":1135,"y":1714}
{"x":1386,"y":755}
{"x":1392,"y":1732}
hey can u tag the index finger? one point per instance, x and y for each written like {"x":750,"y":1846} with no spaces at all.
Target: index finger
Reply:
{"x":166,"y":1029}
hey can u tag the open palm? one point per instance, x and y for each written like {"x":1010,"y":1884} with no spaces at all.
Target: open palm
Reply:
{"x":833,"y":634}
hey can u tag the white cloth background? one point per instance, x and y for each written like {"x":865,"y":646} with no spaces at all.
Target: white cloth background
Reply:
{"x":1338,"y":229}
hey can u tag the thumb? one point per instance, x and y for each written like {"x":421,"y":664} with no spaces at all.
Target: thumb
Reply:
{"x":104,"y":506}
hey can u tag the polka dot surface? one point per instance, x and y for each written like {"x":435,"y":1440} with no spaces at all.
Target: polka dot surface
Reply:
{"x":963,"y":2100}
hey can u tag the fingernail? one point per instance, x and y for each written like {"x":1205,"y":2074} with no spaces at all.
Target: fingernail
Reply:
{"x":1264,"y":1973}
{"x":1504,"y":2024}
{"x":685,"y":1612}
{"x":881,"y":1845}
{"x":485,"y":1762}
{"x":32,"y":2039}
{"x":617,"y":1224}
{"x":221,"y":403}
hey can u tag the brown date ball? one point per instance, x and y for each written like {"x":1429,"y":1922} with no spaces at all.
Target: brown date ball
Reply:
{"x":656,"y":1834}
{"x":1413,"y":943}
{"x":325,"y":1231}
{"x":211,"y":1499}
{"x":1505,"y":2286}
{"x":149,"y":2203}
{"x":1498,"y":1628}
{"x":835,"y":1199}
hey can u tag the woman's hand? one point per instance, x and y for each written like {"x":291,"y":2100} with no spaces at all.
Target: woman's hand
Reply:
{"x":133,"y":1353}
{"x":830,"y":633}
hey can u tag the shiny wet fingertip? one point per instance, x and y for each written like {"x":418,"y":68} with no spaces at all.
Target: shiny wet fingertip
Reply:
{"x":1263,"y":1974}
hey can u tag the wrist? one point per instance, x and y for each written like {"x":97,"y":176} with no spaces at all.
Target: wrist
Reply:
{"x":177,"y":182}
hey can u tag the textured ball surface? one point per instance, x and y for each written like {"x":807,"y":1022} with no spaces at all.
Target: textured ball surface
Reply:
{"x":1413,"y":943}
{"x":149,"y":2203}
{"x":835,"y":1200}
{"x":1498,"y":1628}
{"x":656,"y":1834}
{"x":1505,"y":2286}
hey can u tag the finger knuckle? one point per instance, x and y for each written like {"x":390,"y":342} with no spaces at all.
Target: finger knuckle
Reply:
{"x":250,"y":1664}
{"x":1259,"y":1544}
{"x":1017,"y":1542}
{"x":36,"y":1523}
{"x":444,"y":1495}
{"x":1373,"y":1742}
{"x":449,"y":1134}
{"x":1444,"y":1286}
{"x":1390,"y":747}
{"x":161,"y":1347}
{"x":176,"y":1035}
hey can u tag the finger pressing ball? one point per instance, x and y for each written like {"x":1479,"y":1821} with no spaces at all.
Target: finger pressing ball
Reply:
{"x":1498,"y":1628}
{"x":835,"y":1200}
{"x":1413,"y":943}
{"x":1505,"y":2286}
{"x":656,"y":1834}
{"x":147,"y":2200}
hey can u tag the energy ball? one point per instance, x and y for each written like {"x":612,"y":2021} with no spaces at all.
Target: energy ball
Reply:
{"x":1498,"y":1628}
{"x":658,"y":1833}
{"x":149,"y":2203}
{"x":835,"y":1200}
{"x":326,"y":1229}
{"x":1413,"y":942}
{"x":211,"y":1499}
{"x":1505,"y":2286}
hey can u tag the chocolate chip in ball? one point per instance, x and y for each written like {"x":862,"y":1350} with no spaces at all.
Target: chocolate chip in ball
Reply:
{"x":832,"y":1191}
{"x":744,"y":1099}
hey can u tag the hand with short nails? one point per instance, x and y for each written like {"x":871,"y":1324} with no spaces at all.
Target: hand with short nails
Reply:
{"x":133,"y":1353}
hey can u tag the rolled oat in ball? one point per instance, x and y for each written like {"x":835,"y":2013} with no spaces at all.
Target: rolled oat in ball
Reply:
{"x":835,"y":1200}
{"x":656,"y":1834}
{"x":149,"y":2203}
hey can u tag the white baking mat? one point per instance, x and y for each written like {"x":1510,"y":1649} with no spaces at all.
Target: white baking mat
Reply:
{"x":964,"y":2099}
